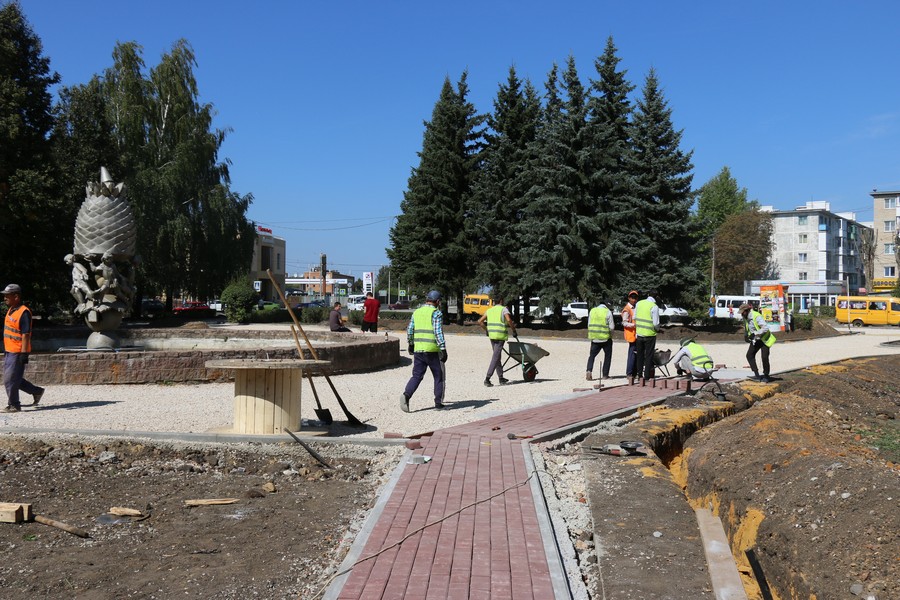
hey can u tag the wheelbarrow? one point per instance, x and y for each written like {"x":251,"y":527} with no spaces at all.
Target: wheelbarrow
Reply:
{"x":526,"y":355}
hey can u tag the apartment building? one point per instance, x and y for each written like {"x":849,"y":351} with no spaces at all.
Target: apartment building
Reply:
{"x":816,"y":254}
{"x":886,"y":223}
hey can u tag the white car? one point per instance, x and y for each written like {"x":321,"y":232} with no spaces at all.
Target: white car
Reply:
{"x":673,"y":315}
{"x":577,"y":310}
{"x":217,"y":305}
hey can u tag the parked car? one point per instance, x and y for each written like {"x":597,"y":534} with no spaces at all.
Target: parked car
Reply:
{"x":152,"y":308}
{"x":674,"y":315}
{"x":195,"y":309}
{"x":267,"y":305}
{"x":403,"y":305}
{"x":577,"y":310}
{"x":217,"y":305}
{"x":356,"y":301}
{"x":311,"y":304}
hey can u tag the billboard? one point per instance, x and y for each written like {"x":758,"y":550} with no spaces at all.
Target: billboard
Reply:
{"x":772,"y":305}
{"x":368,"y":282}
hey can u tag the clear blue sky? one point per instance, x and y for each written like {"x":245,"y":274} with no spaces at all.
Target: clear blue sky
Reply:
{"x":327,"y":100}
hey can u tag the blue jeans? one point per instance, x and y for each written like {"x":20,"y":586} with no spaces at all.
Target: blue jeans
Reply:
{"x":14,"y":378}
{"x":423,"y":361}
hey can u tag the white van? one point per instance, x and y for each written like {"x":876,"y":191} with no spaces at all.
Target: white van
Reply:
{"x":727,"y":306}
{"x":355,"y":302}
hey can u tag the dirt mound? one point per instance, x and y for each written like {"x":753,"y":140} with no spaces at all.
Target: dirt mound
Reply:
{"x":269,"y":544}
{"x":808,"y":478}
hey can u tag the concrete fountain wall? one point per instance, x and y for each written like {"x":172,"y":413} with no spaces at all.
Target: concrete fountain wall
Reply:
{"x":179,"y":355}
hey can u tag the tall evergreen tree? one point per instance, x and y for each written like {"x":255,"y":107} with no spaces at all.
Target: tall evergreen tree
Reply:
{"x":553,"y":233}
{"x":429,"y":246}
{"x":499,"y":192}
{"x":609,"y":166}
{"x":31,"y":247}
{"x":663,"y":183}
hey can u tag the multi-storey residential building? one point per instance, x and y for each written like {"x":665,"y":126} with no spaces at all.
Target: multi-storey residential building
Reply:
{"x":886,"y":223}
{"x":816,"y":254}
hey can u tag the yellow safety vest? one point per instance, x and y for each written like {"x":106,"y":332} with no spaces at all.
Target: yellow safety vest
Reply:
{"x":699,"y":356}
{"x":424,"y":339}
{"x":496,"y":325}
{"x":767,"y":337}
{"x":643,"y":318}
{"x":598,"y":328}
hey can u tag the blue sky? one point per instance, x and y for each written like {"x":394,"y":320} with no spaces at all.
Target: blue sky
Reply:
{"x":326,"y":100}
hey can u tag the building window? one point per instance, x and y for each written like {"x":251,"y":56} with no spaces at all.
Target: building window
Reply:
{"x":890,"y":271}
{"x":278,"y":261}
{"x":802,"y":276}
{"x":801,"y":257}
{"x":888,"y":248}
{"x":889,"y":226}
{"x":802,"y":239}
{"x":801,"y":220}
{"x":890,"y":203}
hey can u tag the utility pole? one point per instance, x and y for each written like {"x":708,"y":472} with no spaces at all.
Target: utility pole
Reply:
{"x":712,"y":278}
{"x":323,"y":275}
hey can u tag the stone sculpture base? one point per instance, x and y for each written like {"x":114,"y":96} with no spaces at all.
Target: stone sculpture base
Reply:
{"x":103,"y":340}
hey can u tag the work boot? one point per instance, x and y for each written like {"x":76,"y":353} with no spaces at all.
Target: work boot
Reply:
{"x":12,"y":409}
{"x":503,"y":381}
{"x":765,"y":379}
{"x":487,"y":383}
{"x":37,"y":397}
{"x":588,"y":376}
{"x":404,"y":403}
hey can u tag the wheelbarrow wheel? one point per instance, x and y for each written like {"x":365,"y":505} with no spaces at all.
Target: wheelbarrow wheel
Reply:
{"x":530,"y":372}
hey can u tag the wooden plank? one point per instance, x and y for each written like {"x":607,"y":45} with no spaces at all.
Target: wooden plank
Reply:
{"x":240,"y":402}
{"x":14,"y":512}
{"x":273,"y":378}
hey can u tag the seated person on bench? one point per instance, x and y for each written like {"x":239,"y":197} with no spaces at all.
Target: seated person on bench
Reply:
{"x":693,"y":358}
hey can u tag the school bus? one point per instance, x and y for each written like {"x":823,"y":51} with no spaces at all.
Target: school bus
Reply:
{"x":867,"y":310}
{"x":475,"y":305}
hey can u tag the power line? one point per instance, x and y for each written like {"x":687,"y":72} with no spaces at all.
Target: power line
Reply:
{"x":327,"y":228}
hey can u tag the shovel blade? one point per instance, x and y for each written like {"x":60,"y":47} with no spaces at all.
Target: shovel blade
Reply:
{"x":324,"y":415}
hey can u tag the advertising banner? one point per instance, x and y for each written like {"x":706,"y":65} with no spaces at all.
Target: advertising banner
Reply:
{"x":368,"y":282}
{"x":772,"y":306}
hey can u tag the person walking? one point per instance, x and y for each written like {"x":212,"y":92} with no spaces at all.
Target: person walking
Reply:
{"x":371,"y":307}
{"x":425,"y":339}
{"x":600,"y":327}
{"x":497,"y":322}
{"x":628,"y":328}
{"x":646,"y":326}
{"x":336,"y":321}
{"x":757,"y":333}
{"x":692,"y":359}
{"x":17,"y":347}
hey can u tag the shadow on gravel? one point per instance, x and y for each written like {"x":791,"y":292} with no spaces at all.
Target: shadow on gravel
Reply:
{"x":74,"y":405}
{"x":469,"y":403}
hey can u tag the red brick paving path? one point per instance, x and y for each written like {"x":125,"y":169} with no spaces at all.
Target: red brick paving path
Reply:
{"x":493,"y":550}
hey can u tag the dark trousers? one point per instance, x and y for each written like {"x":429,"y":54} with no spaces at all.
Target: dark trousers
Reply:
{"x":596,"y":347}
{"x":423,"y":361}
{"x":643,"y":349}
{"x":758,"y":346}
{"x":14,"y":378}
{"x":629,"y":364}
{"x":495,"y":365}
{"x":367,"y":326}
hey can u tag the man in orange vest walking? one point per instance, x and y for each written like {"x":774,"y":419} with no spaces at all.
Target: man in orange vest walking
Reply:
{"x":17,"y":347}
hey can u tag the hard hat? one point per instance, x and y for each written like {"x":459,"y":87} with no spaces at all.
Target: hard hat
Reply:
{"x":433,"y":296}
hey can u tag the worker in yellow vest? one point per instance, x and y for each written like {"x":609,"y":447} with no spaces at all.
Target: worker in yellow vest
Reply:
{"x":600,"y":328}
{"x":496,"y":323}
{"x":693,"y":359}
{"x":17,"y":347}
{"x":425,"y":339}
{"x":646,"y":326}
{"x":756,"y":332}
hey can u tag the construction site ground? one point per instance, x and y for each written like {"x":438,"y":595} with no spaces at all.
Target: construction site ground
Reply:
{"x":803,"y":472}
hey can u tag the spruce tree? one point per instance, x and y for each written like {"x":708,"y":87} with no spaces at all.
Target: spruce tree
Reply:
{"x":33,"y":242}
{"x":663,"y":183}
{"x":429,"y":246}
{"x":499,"y":193}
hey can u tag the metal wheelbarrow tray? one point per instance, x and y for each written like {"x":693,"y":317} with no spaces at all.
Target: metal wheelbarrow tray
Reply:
{"x":525,"y":354}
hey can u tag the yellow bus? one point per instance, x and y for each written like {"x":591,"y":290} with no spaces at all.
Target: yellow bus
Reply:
{"x":867,"y":310}
{"x":475,"y":305}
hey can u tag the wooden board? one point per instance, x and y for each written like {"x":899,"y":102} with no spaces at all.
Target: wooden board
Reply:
{"x":15,"y":512}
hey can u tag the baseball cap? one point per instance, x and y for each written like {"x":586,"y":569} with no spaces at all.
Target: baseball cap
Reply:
{"x":13,"y":288}
{"x":744,"y":307}
{"x":433,"y":296}
{"x":685,"y":341}
{"x":633,"y":293}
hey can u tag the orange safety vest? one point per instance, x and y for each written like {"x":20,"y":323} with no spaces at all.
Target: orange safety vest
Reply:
{"x":14,"y":340}
{"x":630,"y":333}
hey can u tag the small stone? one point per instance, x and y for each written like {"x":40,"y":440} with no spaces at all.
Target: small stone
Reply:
{"x":845,"y":495}
{"x":254,"y":493}
{"x":573,"y":467}
{"x":657,"y":534}
{"x":269,"y":487}
{"x":856,"y":589}
{"x":107,"y":457}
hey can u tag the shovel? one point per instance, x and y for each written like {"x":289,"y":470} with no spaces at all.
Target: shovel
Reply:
{"x":351,"y":420}
{"x":322,"y":414}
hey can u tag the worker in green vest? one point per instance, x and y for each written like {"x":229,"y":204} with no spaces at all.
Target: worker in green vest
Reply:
{"x":693,"y":359}
{"x":426,"y":344}
{"x":757,"y":334}
{"x":646,"y":324}
{"x":600,"y":328}
{"x":497,"y":322}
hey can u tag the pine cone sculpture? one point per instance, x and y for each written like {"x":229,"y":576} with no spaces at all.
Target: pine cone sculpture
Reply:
{"x":105,"y":222}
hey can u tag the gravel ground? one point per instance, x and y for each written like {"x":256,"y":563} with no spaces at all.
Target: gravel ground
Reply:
{"x":373,"y":397}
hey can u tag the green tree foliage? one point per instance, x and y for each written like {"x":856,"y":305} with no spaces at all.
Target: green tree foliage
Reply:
{"x":743,"y":250}
{"x":239,"y":298}
{"x":31,"y":247}
{"x":429,"y":245}
{"x":498,"y":201}
{"x":663,"y":181}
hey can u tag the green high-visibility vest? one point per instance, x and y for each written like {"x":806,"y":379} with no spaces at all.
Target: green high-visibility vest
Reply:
{"x":424,"y":339}
{"x":643,"y":318}
{"x":598,"y":328}
{"x":496,"y":325}
{"x":699,"y":356}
